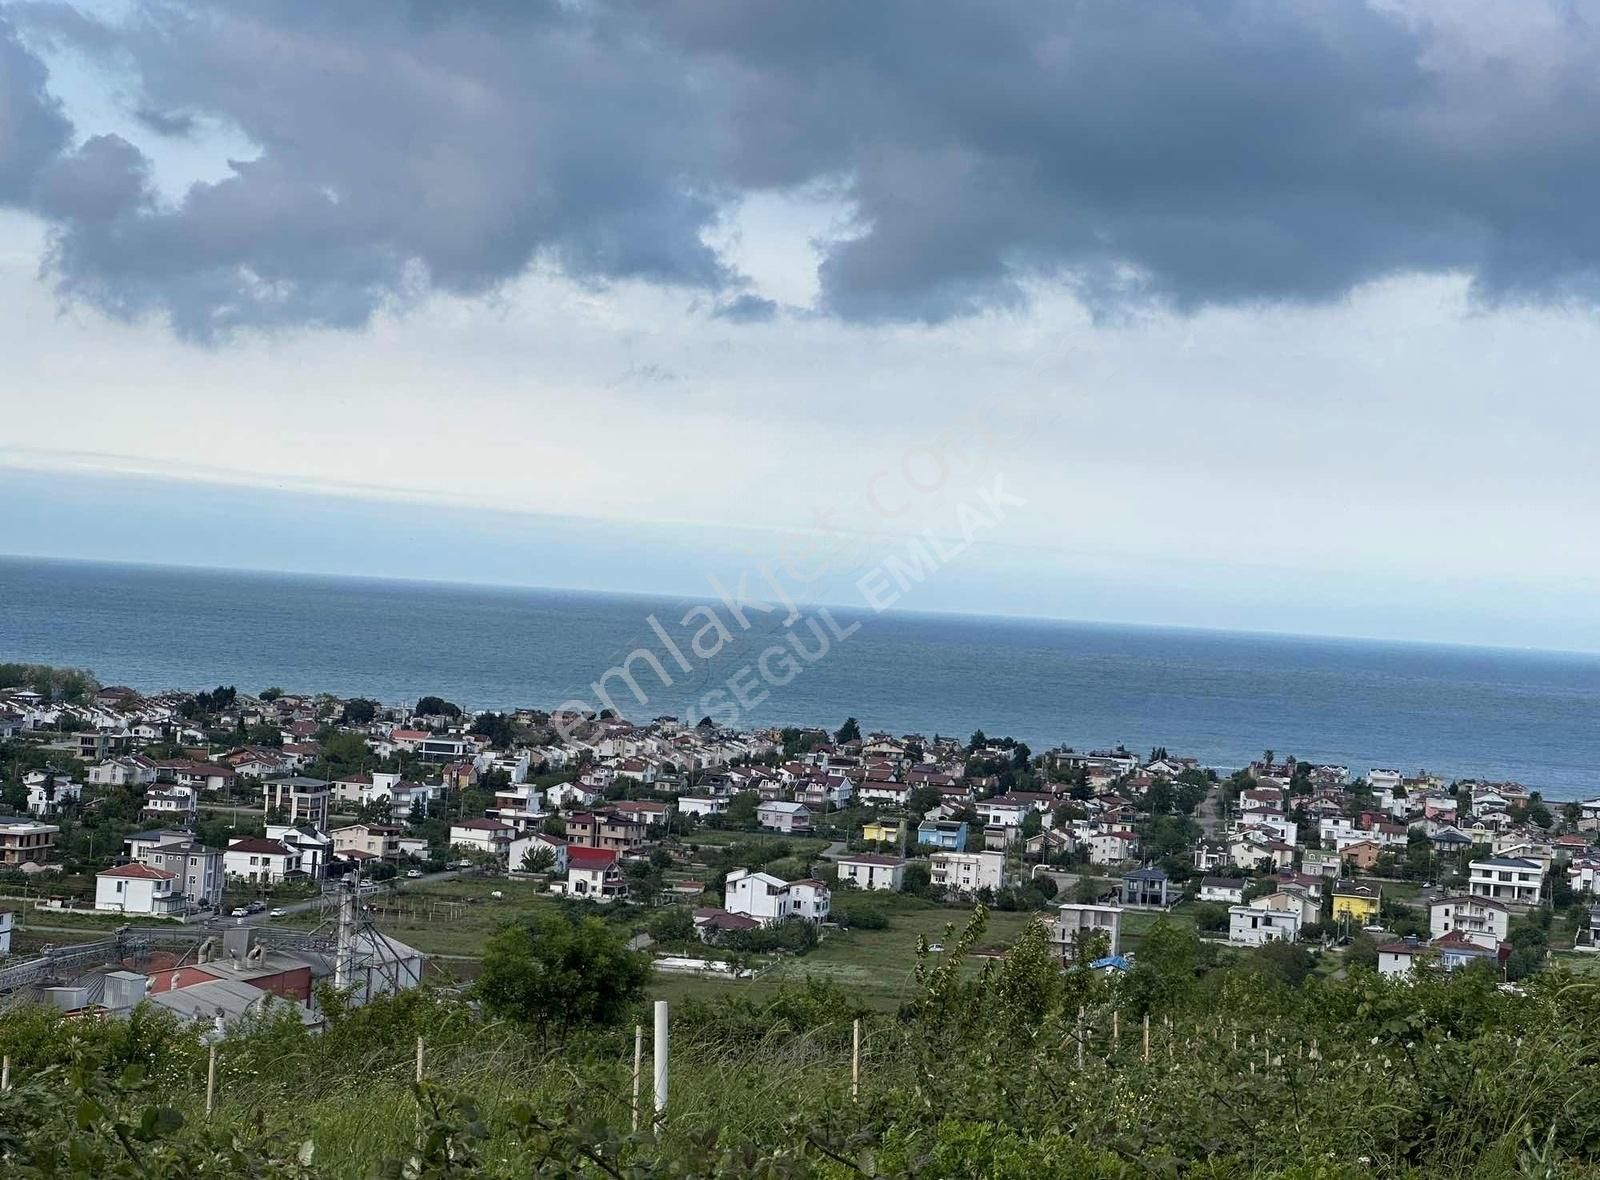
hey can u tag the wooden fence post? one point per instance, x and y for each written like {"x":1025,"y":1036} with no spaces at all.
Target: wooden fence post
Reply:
{"x":1116,"y":1030}
{"x":855,"y":1060}
{"x":638,"y":1068}
{"x":419,"y":1060}
{"x":1080,"y":1037}
{"x":211,"y":1081}
{"x":1146,"y":1049}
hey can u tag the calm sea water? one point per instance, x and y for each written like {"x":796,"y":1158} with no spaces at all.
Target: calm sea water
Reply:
{"x":1221,"y":697}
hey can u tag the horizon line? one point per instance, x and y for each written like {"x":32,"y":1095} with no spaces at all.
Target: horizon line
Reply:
{"x":856,"y":608}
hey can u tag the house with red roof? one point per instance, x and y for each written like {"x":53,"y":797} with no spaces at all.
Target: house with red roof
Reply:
{"x":138,"y":889}
{"x":594,"y":873}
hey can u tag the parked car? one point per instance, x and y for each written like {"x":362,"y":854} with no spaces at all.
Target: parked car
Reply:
{"x":413,"y":872}
{"x":240,"y":912}
{"x":255,"y":907}
{"x":279,"y":912}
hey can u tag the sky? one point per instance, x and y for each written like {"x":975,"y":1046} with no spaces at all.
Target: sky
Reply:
{"x":1270,"y":316}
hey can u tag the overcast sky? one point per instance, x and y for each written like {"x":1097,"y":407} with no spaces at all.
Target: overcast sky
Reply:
{"x":1274,"y":315}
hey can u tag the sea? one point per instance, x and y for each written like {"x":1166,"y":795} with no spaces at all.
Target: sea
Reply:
{"x":1222,"y":697}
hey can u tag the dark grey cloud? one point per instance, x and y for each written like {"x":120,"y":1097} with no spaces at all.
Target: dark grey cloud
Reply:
{"x":175,"y":123}
{"x":747,"y":309}
{"x":1217,"y":153}
{"x":32,"y":128}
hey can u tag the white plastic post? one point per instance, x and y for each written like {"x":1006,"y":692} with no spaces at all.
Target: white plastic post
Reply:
{"x":5,"y":1073}
{"x":211,"y":1081}
{"x":661,"y":1061}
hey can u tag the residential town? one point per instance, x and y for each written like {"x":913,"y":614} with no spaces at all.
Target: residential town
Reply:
{"x":730,"y":852}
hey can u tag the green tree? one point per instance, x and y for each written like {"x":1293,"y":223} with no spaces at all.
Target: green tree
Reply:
{"x":850,"y":731}
{"x":359,"y":711}
{"x":431,"y":706}
{"x":555,"y":973}
{"x":918,"y":876}
{"x":541,"y":858}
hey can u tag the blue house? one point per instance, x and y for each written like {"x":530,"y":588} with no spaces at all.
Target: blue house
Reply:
{"x":1146,"y":886}
{"x":943,"y":834}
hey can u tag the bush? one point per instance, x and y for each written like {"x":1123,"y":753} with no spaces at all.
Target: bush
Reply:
{"x":862,"y":917}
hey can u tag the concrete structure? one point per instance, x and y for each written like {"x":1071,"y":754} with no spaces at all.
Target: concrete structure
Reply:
{"x":26,"y":841}
{"x":301,"y":800}
{"x":1076,"y":921}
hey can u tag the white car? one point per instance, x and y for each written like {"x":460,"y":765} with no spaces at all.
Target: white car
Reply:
{"x":280,"y":912}
{"x":240,"y":912}
{"x":413,"y":873}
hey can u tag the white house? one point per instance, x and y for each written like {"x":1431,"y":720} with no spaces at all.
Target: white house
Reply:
{"x":260,"y":861}
{"x":702,"y":805}
{"x":522,"y":845}
{"x":868,"y":870}
{"x":138,"y":889}
{"x":313,"y":844}
{"x":198,"y":870}
{"x":1109,"y":848}
{"x":1480,"y":920}
{"x":968,"y":872}
{"x":482,"y":835}
{"x":171,"y":805}
{"x":46,"y":793}
{"x":1229,"y":890}
{"x":594,"y":873}
{"x":132,"y":771}
{"x":770,"y":899}
{"x":1506,"y":879}
{"x":520,"y":805}
{"x":784,"y":817}
{"x":1250,"y":925}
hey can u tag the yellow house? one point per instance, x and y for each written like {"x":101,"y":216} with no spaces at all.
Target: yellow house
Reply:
{"x":885,"y":831}
{"x":1359,"y":903}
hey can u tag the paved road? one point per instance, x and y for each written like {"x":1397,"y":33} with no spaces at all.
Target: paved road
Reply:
{"x":330,"y":896}
{"x":1209,"y":813}
{"x":834,"y":851}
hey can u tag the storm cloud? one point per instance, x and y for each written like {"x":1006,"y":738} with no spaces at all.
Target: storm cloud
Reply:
{"x":1218,"y":153}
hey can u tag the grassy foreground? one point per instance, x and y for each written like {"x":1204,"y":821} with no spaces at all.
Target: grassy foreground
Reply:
{"x":1010,"y":1068}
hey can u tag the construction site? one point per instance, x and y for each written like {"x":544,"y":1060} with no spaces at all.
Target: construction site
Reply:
{"x":219,"y":972}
